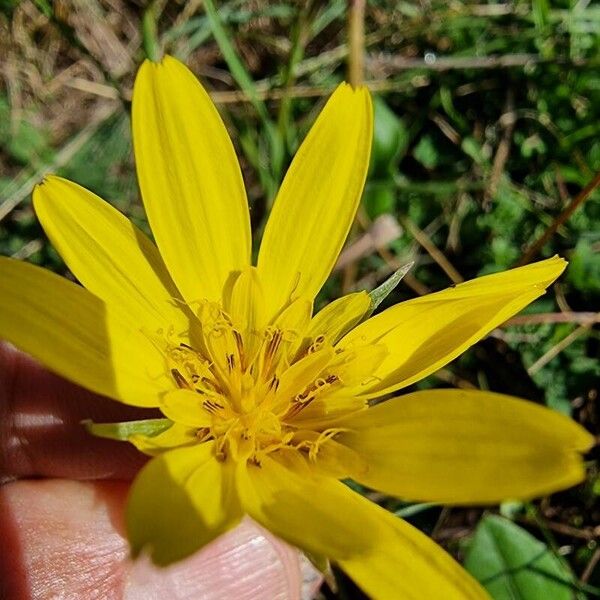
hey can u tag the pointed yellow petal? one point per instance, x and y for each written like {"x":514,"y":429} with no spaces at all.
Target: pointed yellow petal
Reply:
{"x":190,"y":180}
{"x":76,"y":335}
{"x":79,"y":337}
{"x":295,"y":317}
{"x":467,"y":447}
{"x":326,"y":412}
{"x":356,"y":365}
{"x":293,"y":322}
{"x":318,"y":198}
{"x":246,"y":305}
{"x":324,"y":456}
{"x":179,"y":502}
{"x":302,"y":373}
{"x":387,"y":557}
{"x":317,"y":514}
{"x":174,"y":437}
{"x":424,"y":334}
{"x":247,"y":308}
{"x":405,"y":563}
{"x":340,"y":316}
{"x":111,"y":257}
{"x":186,"y":407}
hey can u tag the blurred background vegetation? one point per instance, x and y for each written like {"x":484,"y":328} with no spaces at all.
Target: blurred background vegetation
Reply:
{"x":487,"y":140}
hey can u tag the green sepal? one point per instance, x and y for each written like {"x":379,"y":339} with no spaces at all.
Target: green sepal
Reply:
{"x":380,"y":293}
{"x":123,"y":431}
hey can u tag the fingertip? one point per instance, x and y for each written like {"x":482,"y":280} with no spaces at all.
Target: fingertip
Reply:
{"x":245,"y":563}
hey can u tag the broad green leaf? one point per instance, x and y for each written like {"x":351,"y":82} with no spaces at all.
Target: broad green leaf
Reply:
{"x":513,"y":565}
{"x":123,"y":431}
{"x":390,"y":139}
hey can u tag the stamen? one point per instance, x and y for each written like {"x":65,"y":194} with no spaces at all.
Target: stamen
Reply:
{"x":317,"y":344}
{"x":212,"y":407}
{"x":230,"y":362}
{"x":180,"y":379}
{"x":274,"y":385}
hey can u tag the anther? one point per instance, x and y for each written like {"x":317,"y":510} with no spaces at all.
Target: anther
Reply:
{"x":274,"y":385}
{"x":231,"y":362}
{"x":179,"y":379}
{"x":316,"y":344}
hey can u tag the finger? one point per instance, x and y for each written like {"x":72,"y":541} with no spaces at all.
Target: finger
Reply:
{"x":41,"y":431}
{"x":64,"y":539}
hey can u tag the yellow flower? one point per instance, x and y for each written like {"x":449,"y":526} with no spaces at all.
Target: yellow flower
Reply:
{"x":267,"y":406}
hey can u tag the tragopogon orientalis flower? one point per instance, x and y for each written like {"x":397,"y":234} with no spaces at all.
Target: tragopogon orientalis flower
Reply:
{"x":267,"y":407}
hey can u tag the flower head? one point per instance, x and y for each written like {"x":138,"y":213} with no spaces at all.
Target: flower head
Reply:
{"x":267,"y":406}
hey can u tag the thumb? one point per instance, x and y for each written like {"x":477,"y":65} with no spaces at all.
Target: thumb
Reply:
{"x":64,"y":539}
{"x":40,"y":426}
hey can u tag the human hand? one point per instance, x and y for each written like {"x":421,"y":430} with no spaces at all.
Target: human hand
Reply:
{"x":63,"y":538}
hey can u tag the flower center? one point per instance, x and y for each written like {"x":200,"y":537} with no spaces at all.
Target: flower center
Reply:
{"x":262,"y":389}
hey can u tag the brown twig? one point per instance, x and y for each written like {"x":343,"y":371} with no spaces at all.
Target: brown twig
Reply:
{"x":550,"y":318}
{"x":562,"y":218}
{"x":262,"y":93}
{"x":447,"y":376}
{"x":438,"y":256}
{"x":356,"y":68}
{"x":447,"y":63}
{"x":508,"y":119}
{"x":583,"y":534}
{"x":589,"y":568}
{"x":558,"y":348}
{"x":356,"y":42}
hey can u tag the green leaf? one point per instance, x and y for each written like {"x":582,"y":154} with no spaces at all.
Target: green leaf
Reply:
{"x":513,"y":565}
{"x":390,"y":139}
{"x":379,"y":198}
{"x":123,"y":431}
{"x":426,"y":153}
{"x":473,"y":148}
{"x":380,"y":293}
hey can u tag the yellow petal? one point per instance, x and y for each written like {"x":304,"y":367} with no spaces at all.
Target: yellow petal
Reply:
{"x":324,"y":456}
{"x":246,"y":305}
{"x":340,"y":316}
{"x":180,"y":501}
{"x":467,"y":447}
{"x":318,"y":199}
{"x":406,"y":564}
{"x":190,"y":179}
{"x":295,"y":317}
{"x":111,"y":257}
{"x":356,"y":365}
{"x":326,"y":412}
{"x":247,"y":308}
{"x":76,"y":335}
{"x":424,"y":334}
{"x":293,"y":322}
{"x":386,"y":557}
{"x":186,"y":407}
{"x":317,"y":514}
{"x":174,"y":437}
{"x":302,"y":373}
